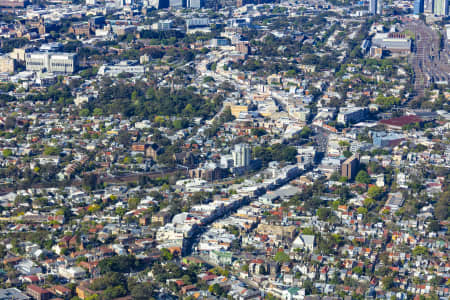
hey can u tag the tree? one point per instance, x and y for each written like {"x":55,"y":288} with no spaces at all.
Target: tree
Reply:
{"x":308,"y":286}
{"x":442,"y":207}
{"x":142,"y":291}
{"x":362,"y":210}
{"x":324,"y":213}
{"x":120,"y":263}
{"x":388,"y":282}
{"x":420,"y":251}
{"x":375,"y":192}
{"x":216,"y":289}
{"x":124,"y":138}
{"x":166,"y":254}
{"x":10,"y":122}
{"x":281,"y":257}
{"x":133,"y":203}
{"x":362,"y":177}
{"x":258,"y":132}
{"x":90,"y":181}
{"x":434,"y":226}
{"x":7,"y":152}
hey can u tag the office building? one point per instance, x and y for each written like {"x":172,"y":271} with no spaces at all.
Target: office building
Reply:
{"x":241,"y":155}
{"x":418,"y":7}
{"x":177,"y":3}
{"x":163,"y":25}
{"x":440,"y":7}
{"x":194,"y":3}
{"x":350,"y":167}
{"x":352,"y":114}
{"x":51,"y":62}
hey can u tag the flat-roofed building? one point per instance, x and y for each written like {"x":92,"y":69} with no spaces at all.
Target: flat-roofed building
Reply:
{"x":7,"y":64}
{"x":51,"y":62}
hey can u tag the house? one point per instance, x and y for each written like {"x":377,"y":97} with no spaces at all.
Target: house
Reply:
{"x":27,"y":267}
{"x":221,"y":257}
{"x":153,"y":151}
{"x":304,"y":241}
{"x":61,"y":290}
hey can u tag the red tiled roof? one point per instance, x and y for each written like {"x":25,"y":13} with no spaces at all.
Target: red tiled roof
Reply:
{"x":401,"y":121}
{"x":37,"y":289}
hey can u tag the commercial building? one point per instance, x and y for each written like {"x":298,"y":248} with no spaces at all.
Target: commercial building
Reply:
{"x":350,"y":167}
{"x":241,"y":155}
{"x":440,"y":7}
{"x":51,"y":62}
{"x":7,"y":64}
{"x":352,"y":114}
{"x":384,"y":139}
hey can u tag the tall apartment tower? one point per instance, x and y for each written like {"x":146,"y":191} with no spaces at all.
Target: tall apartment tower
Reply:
{"x":241,"y":155}
{"x":418,"y":7}
{"x":440,"y":8}
{"x":350,"y":167}
{"x":375,"y":7}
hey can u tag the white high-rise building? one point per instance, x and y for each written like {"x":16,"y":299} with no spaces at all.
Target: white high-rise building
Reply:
{"x":194,"y":3}
{"x":375,"y":7}
{"x":440,"y":8}
{"x":241,"y":155}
